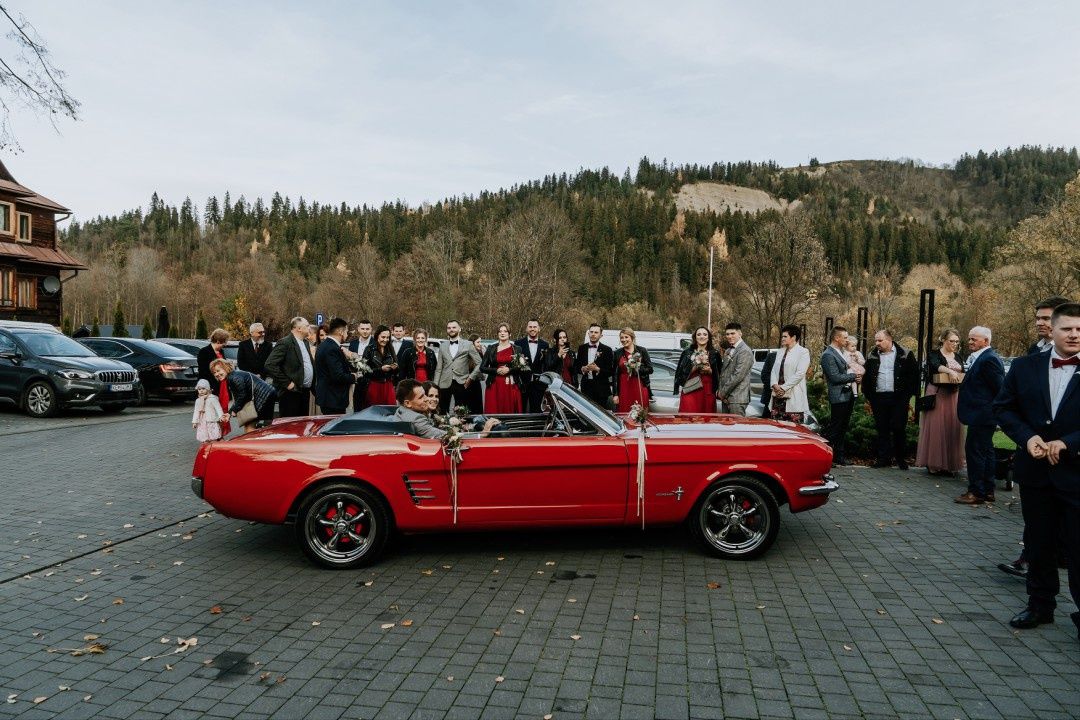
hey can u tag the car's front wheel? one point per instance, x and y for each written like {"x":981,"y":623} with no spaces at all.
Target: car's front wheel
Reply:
{"x":41,"y":400}
{"x":343,"y":526}
{"x":737,"y":518}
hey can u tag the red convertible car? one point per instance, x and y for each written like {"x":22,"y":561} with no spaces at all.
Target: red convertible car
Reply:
{"x":347,"y":482}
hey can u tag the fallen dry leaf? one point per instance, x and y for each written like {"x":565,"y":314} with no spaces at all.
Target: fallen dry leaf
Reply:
{"x":40,"y":699}
{"x":847,"y":647}
{"x":264,"y":676}
{"x":497,"y":633}
{"x":548,"y":716}
{"x":881,"y":612}
{"x":86,"y":698}
{"x":91,"y":637}
{"x":281,"y":679}
{"x":713,"y":585}
{"x":118,"y":601}
{"x":81,"y":598}
{"x":178,"y":562}
{"x":369,"y":583}
{"x":95,"y":572}
{"x":36,"y":634}
{"x":387,"y":626}
{"x":406,"y":623}
{"x":937,"y":621}
{"x":12,"y":698}
{"x":760,"y":607}
{"x":246,"y":618}
{"x":637,"y":617}
{"x":165,"y":641}
{"x":62,"y":688}
{"x":426,"y":572}
{"x":575,"y":637}
{"x":128,"y":526}
{"x":447,"y":567}
{"x":449,"y":678}
{"x":571,"y":600}
{"x":520,"y":611}
{"x":499,"y":679}
{"x":316,"y":623}
{"x":187,"y":537}
{"x":216,"y":610}
{"x":168,"y":666}
{"x":500,"y":558}
{"x":549,"y":563}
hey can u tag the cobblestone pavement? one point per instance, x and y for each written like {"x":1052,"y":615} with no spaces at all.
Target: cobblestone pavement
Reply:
{"x":884,"y":603}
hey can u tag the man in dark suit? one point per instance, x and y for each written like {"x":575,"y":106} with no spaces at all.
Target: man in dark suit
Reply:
{"x":593,"y":365}
{"x":982,"y":381}
{"x":398,"y":340}
{"x":252,"y":353}
{"x":534,"y":348}
{"x":1039,"y":409}
{"x":333,"y":376}
{"x":839,"y":377}
{"x":891,"y":380}
{"x":291,"y":369}
{"x":357,"y":346}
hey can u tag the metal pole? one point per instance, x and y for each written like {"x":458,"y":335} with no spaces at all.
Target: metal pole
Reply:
{"x":863,"y":328}
{"x":708,"y":322}
{"x":828,"y":330}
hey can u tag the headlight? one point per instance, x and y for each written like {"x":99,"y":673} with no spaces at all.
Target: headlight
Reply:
{"x":75,"y":374}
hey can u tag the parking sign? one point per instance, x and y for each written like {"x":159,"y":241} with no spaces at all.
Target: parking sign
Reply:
{"x":319,"y":318}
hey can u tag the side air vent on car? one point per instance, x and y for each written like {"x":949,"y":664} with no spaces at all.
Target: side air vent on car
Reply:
{"x":416,"y":488}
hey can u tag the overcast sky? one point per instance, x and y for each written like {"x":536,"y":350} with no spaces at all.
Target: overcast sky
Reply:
{"x":369,"y":102}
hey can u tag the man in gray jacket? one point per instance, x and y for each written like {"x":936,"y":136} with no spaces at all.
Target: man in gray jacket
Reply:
{"x":839,"y":376}
{"x":457,"y":367}
{"x":734,"y":387}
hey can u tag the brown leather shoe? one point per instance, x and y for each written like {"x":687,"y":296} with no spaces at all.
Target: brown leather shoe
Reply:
{"x":990,"y":497}
{"x":969,"y":499}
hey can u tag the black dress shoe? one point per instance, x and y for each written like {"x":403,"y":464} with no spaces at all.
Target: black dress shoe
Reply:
{"x":1028,"y":618}
{"x":1016,"y":569}
{"x":902,"y":465}
{"x":881,"y":464}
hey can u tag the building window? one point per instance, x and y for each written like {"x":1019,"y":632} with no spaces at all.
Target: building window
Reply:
{"x":26,"y":294}
{"x":25,"y":221}
{"x":6,"y":212}
{"x":7,"y":287}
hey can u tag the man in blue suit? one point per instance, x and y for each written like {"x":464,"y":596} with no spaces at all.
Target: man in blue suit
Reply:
{"x":982,"y":381}
{"x":333,"y":376}
{"x":1039,"y":408}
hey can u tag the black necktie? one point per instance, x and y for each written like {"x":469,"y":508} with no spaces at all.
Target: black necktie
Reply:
{"x":453,"y":342}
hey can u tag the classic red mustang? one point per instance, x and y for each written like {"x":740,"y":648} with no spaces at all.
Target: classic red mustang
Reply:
{"x":347,"y":482}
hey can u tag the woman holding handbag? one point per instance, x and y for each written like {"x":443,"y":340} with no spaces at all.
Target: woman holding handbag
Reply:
{"x":252,"y":397}
{"x":941,"y":436}
{"x":698,"y":374}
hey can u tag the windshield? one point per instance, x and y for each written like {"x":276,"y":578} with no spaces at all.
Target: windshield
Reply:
{"x":54,"y":345}
{"x":598,"y":416}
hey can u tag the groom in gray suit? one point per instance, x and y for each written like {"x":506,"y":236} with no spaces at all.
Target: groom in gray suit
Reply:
{"x":734,"y":385}
{"x":458,"y":367}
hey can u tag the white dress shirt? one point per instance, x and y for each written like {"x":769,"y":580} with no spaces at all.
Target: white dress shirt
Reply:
{"x":1059,"y":381}
{"x":534,"y":345}
{"x":305,"y":356}
{"x":973,"y":357}
{"x":886,"y":377}
{"x":452,"y":347}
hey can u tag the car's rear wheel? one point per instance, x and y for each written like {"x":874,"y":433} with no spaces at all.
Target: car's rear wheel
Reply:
{"x":343,"y":526}
{"x":737,"y":518}
{"x":40,"y":400}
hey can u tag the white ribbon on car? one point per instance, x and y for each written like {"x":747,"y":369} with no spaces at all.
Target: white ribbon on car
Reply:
{"x":455,"y":458}
{"x":642,"y":455}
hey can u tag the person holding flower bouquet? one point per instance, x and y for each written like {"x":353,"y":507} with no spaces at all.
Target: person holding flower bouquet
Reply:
{"x":560,"y":358}
{"x":505,"y":368}
{"x":630,"y":382}
{"x":698,"y":374}
{"x":380,"y":357}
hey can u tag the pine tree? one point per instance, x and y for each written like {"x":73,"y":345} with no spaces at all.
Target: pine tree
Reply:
{"x":95,"y":329}
{"x":119,"y":326}
{"x":147,"y":331}
{"x":65,"y":326}
{"x":200,"y":327}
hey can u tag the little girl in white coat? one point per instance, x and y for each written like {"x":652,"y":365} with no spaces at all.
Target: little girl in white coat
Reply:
{"x":207,"y":416}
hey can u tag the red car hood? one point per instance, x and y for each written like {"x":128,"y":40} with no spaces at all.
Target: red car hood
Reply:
{"x":723,"y":426}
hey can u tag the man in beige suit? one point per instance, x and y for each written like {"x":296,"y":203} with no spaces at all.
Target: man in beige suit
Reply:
{"x":458,"y":367}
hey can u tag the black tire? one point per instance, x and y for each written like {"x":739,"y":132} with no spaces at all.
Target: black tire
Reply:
{"x":736,"y":518}
{"x":112,"y":408}
{"x":39,"y":400}
{"x":333,"y":543}
{"x":143,"y":397}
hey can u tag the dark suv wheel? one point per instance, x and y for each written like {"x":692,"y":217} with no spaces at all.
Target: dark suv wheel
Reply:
{"x":40,"y":399}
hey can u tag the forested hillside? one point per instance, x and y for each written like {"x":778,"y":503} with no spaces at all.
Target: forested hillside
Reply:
{"x":572,"y":247}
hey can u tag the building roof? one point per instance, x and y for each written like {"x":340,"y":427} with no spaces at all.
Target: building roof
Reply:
{"x":24,"y":194}
{"x":40,"y":255}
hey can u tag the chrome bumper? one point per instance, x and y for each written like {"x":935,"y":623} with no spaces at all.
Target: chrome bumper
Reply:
{"x":829,"y":486}
{"x":196,"y":486}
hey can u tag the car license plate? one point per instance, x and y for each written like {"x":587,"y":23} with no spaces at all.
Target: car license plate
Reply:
{"x":126,"y":387}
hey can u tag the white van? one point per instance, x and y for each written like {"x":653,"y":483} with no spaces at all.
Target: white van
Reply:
{"x":650,"y":340}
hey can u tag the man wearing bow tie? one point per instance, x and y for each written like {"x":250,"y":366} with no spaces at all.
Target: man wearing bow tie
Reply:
{"x":593,"y":366}
{"x":534,"y":349}
{"x":457,"y":367}
{"x":1039,"y":409}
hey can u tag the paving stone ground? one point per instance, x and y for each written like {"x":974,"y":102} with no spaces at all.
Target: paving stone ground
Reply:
{"x":885,"y":603}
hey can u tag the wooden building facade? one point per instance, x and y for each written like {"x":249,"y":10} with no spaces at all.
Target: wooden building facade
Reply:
{"x":32,"y":269}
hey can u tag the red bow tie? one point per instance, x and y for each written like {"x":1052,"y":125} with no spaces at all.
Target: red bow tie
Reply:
{"x":1056,"y":362}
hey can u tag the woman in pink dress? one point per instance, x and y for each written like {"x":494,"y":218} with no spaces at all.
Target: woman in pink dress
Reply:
{"x":501,"y":365}
{"x":701,"y":361}
{"x":941,"y":436}
{"x":380,"y":357}
{"x":630,"y":382}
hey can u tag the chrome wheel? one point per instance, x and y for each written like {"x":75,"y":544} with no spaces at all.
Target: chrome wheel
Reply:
{"x":342,"y":526}
{"x":40,"y":400}
{"x":737,"y":519}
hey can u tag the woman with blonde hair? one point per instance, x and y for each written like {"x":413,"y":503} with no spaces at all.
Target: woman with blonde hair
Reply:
{"x":630,"y":381}
{"x":244,"y":387}
{"x":941,"y":436}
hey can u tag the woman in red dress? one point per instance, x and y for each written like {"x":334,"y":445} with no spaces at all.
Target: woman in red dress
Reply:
{"x":560,"y":358}
{"x":417,"y":361}
{"x":701,"y":361}
{"x":379,"y":356}
{"x":630,"y":382}
{"x":503,"y":394}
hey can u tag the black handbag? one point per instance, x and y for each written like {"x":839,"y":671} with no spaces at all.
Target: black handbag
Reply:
{"x":926,"y":403}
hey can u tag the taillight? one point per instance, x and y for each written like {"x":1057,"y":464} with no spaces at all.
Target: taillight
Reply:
{"x":170,"y":367}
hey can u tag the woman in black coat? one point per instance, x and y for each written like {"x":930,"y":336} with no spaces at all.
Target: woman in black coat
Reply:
{"x":382,"y":380}
{"x":703,"y":398}
{"x":629,"y":386}
{"x":409,"y":362}
{"x":208,"y":354}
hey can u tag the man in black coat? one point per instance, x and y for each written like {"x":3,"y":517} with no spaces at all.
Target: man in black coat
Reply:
{"x":333,"y":376}
{"x":982,"y":381}
{"x":593,"y":365}
{"x":252,"y":353}
{"x":891,"y":380}
{"x":535,"y":349}
{"x":291,"y":369}
{"x":1039,"y":409}
{"x":358,"y":346}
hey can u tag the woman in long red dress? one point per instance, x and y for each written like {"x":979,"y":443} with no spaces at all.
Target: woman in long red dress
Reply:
{"x":701,"y":361}
{"x":384,"y":366}
{"x":503,"y":394}
{"x":560,"y":358}
{"x":630,"y":382}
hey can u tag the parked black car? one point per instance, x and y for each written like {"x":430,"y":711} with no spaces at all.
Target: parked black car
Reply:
{"x":165,"y":371}
{"x":43,"y":371}
{"x":194,"y":345}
